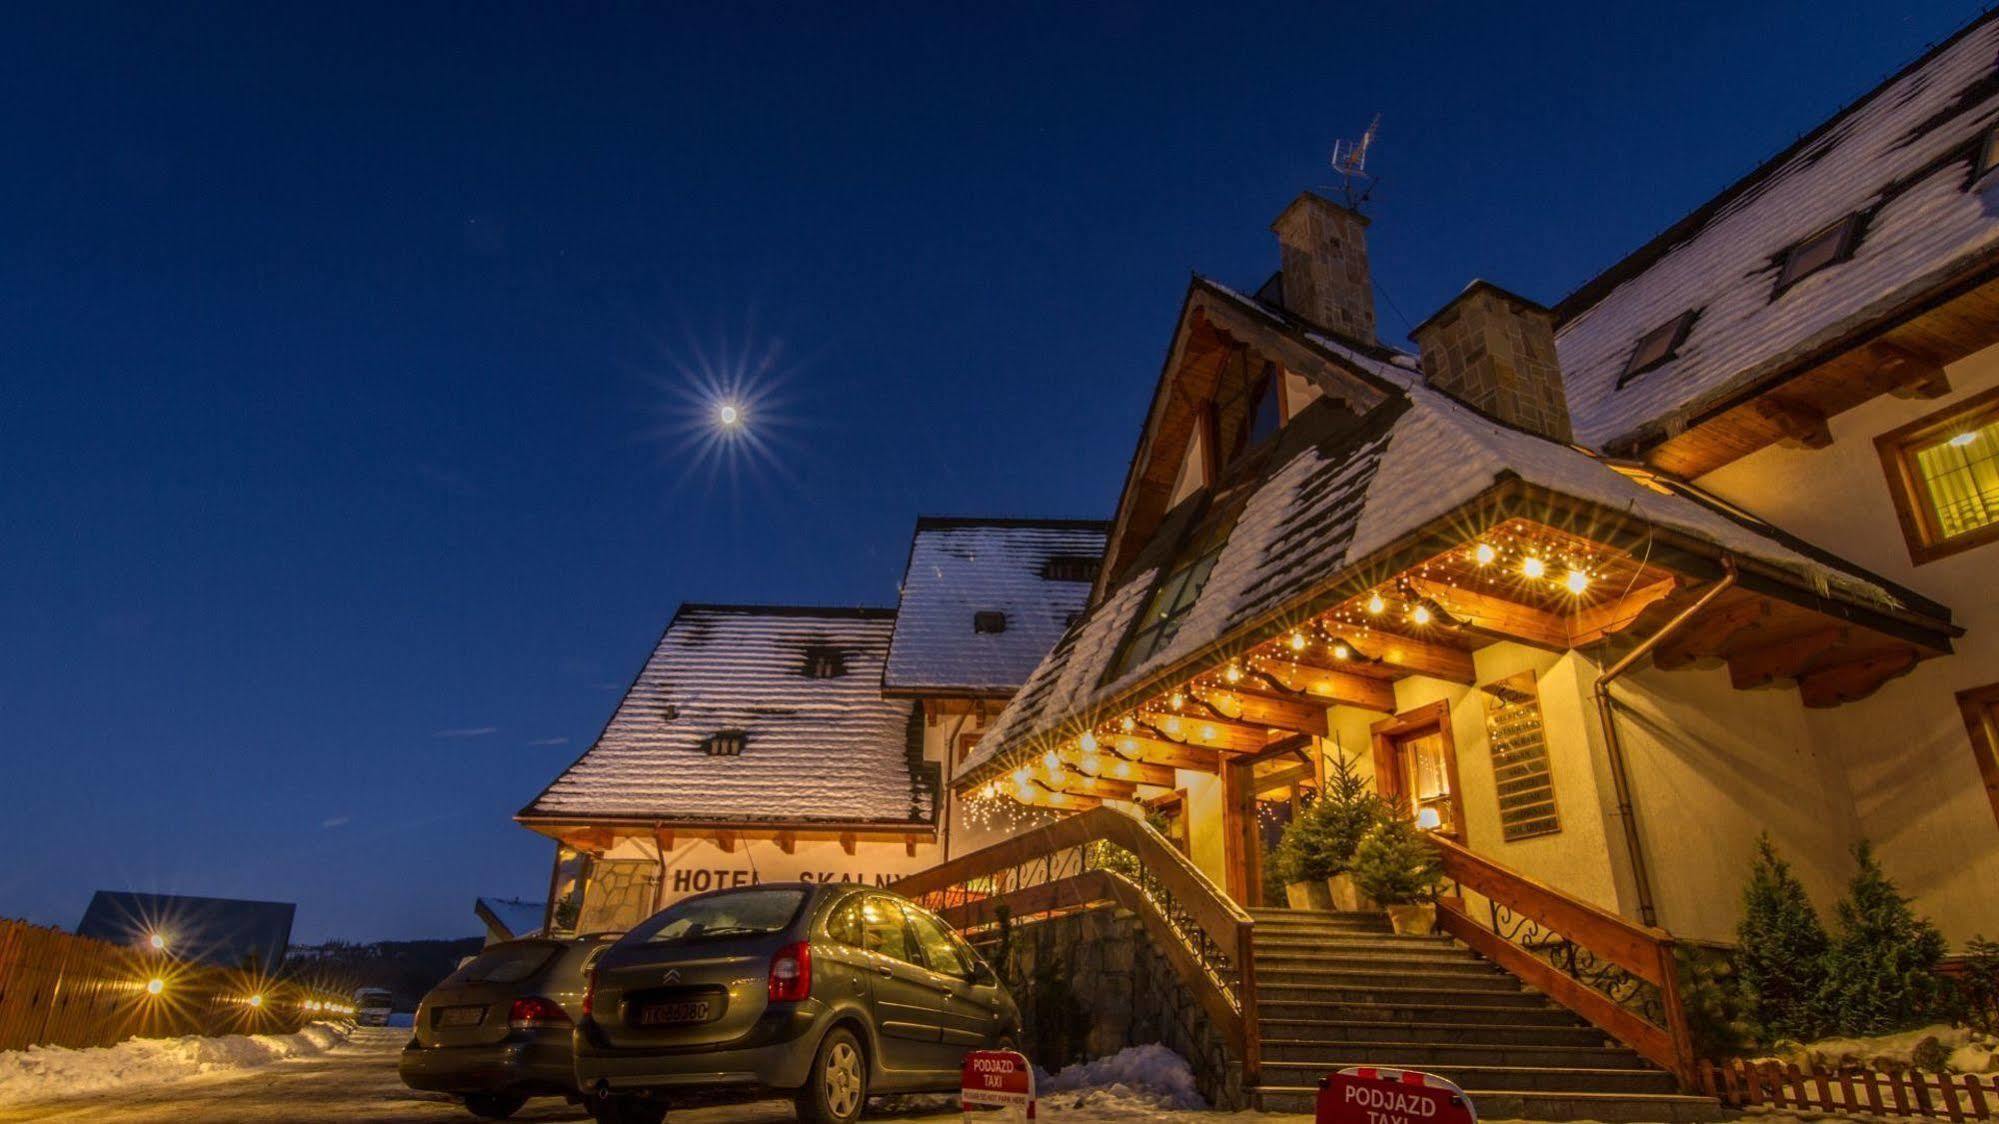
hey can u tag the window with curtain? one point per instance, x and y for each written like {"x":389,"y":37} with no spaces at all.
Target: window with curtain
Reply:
{"x":1943,"y":473}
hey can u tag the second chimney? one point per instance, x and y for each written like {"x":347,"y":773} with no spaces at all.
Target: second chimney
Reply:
{"x":1324,"y":253}
{"x":1495,"y":351}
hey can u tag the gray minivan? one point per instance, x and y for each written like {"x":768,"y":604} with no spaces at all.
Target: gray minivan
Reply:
{"x":827,"y":993}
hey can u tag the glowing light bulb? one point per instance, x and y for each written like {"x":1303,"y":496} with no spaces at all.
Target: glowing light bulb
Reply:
{"x":1021,"y":776}
{"x":1091,"y":763}
{"x":1420,"y":614}
{"x":256,"y":1001}
{"x":729,"y":415}
{"x":1052,"y":760}
{"x":1577,"y":581}
{"x":1297,"y":641}
{"x":157,"y":941}
{"x":1127,"y":746}
{"x":1375,"y":604}
{"x":1963,"y":439}
{"x":1341,"y":652}
{"x":1233,"y":674}
{"x":1208,"y":732}
{"x":1533,"y":567}
{"x":1178,"y":700}
{"x":155,"y":985}
{"x":1173,"y":727}
{"x":1429,"y":819}
{"x":1127,"y":724}
{"x":1485,"y":554}
{"x":1088,"y":742}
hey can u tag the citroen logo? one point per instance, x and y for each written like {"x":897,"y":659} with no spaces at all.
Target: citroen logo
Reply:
{"x":672,"y":976}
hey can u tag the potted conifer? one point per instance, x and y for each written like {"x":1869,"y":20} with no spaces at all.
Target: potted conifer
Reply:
{"x":1295,"y":863}
{"x":1346,"y":811}
{"x":1399,"y":868}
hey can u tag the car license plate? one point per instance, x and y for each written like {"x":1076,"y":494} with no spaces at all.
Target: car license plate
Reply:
{"x":673,"y":1014}
{"x":461,"y":1016}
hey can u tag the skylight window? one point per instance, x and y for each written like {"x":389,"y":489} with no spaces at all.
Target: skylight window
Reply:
{"x":1658,"y":345}
{"x":1070,"y":568}
{"x":1830,"y":246}
{"x":989,"y":621}
{"x":824,"y":663}
{"x":1175,"y":594}
{"x":725,"y":743}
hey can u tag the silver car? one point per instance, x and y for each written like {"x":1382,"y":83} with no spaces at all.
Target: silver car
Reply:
{"x":827,"y":994}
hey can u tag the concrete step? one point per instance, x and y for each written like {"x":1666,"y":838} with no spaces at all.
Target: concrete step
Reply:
{"x":1371,"y":919}
{"x":1429,"y":1055}
{"x":1398,"y":954}
{"x":1284,"y":990}
{"x":1390,"y":1030}
{"x":1317,"y":1007}
{"x":1612,"y":1108}
{"x":1536,"y":1079}
{"x":1368,"y":946}
{"x":1474,"y":977}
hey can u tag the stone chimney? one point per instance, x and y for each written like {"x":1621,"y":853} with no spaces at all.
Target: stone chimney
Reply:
{"x":1496,"y":351}
{"x":1325,"y":279}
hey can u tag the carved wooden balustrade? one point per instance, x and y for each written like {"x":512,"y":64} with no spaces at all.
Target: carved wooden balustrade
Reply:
{"x":1617,"y":974}
{"x":1104,"y":857}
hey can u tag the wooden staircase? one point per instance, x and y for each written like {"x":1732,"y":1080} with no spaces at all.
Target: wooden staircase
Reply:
{"x":1340,"y":989}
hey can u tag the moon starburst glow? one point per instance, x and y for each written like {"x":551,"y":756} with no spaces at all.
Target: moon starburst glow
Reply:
{"x":719,"y":410}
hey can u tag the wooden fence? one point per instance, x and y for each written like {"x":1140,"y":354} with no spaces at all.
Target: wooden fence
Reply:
{"x":59,"y":989}
{"x":1953,"y":1096}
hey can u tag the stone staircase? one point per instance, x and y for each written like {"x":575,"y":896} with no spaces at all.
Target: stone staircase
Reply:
{"x":1340,"y":989}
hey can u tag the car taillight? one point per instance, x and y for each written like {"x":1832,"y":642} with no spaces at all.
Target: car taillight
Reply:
{"x":589,"y":992}
{"x":791,"y":973}
{"x":530,"y":1012}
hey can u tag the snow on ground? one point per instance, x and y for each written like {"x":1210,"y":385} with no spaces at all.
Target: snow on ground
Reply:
{"x":39,"y":1072}
{"x":1130,"y":1083}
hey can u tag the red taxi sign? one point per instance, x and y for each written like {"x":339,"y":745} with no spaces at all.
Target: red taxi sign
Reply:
{"x":1370,"y":1095}
{"x":997,"y":1079}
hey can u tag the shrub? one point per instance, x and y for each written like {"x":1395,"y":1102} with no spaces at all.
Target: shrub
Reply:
{"x":1978,"y":990}
{"x":1782,"y":950}
{"x":1395,"y":865}
{"x":1881,"y":966}
{"x":1717,"y":1008}
{"x":1321,"y":841}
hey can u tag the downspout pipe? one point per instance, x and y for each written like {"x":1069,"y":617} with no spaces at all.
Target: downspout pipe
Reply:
{"x":1606,"y":713}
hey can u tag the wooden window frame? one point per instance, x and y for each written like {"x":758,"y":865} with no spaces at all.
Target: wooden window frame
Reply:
{"x":1913,"y":508}
{"x":1980,"y":708}
{"x":1849,"y":228}
{"x":1678,"y":328}
{"x":1388,"y":763}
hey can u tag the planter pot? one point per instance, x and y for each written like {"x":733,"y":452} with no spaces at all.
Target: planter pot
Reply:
{"x":1413,"y":920}
{"x":1346,"y":894}
{"x":1307,"y":895}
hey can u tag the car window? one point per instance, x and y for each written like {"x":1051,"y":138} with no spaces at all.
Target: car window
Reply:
{"x":504,"y":963}
{"x":885,"y":930}
{"x":845,"y":923}
{"x":939,"y":950}
{"x":736,"y":913}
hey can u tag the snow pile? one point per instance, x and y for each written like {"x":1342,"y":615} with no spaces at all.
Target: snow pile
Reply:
{"x":1967,"y":1051}
{"x":1135,"y":1081}
{"x":43,"y":1071}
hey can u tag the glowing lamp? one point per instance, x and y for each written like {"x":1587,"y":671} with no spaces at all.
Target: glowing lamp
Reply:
{"x":729,"y":415}
{"x":1088,"y":741}
{"x":1485,"y":554}
{"x":1208,"y":732}
{"x":1297,"y":641}
{"x":1429,"y":819}
{"x":1341,"y":651}
{"x":1420,"y":614}
{"x":256,"y":1001}
{"x":1173,"y":727}
{"x":1127,"y":723}
{"x":1533,"y":567}
{"x":1375,"y":604}
{"x":1021,"y":776}
{"x":155,"y":985}
{"x":1052,"y":760}
{"x":1233,"y":674}
{"x":1966,"y":438}
{"x":158,"y":942}
{"x":1178,"y":700}
{"x":1577,"y":581}
{"x":1091,"y":764}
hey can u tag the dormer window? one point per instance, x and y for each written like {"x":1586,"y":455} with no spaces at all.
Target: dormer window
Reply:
{"x":1830,"y":246}
{"x":824,"y":663}
{"x":725,"y":743}
{"x":989,"y":621}
{"x":1070,"y":568}
{"x":1658,"y":345}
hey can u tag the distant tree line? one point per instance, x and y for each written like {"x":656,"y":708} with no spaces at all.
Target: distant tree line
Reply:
{"x":407,"y":968}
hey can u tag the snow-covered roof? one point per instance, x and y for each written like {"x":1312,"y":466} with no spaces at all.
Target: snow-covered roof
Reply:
{"x":814,"y":750}
{"x":518,"y":918}
{"x":1905,"y":157}
{"x":1338,"y":491}
{"x":959,"y":568}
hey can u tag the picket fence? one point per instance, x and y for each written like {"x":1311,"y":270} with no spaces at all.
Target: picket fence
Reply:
{"x":59,"y":989}
{"x":1949,"y":1096}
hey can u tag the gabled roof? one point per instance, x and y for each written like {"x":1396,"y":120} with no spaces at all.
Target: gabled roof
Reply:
{"x":1336,"y":497}
{"x":962,"y":567}
{"x":815,"y":750}
{"x":230,"y":932}
{"x":1904,"y":157}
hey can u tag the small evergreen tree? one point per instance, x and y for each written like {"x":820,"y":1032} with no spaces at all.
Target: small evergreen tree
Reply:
{"x":1781,"y":963}
{"x":1321,"y":841}
{"x":1881,"y":967}
{"x":1395,"y":865}
{"x":1979,"y":987}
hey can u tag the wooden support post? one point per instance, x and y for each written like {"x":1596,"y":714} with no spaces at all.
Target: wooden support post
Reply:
{"x":787,"y":841}
{"x":848,"y":840}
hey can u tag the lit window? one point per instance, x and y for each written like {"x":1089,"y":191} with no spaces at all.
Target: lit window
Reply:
{"x":1943,"y":471}
{"x":1070,"y":568}
{"x":725,"y":743}
{"x":1658,"y":345}
{"x":1829,"y":246}
{"x":1174,"y":596}
{"x":824,"y":663}
{"x":990,"y":621}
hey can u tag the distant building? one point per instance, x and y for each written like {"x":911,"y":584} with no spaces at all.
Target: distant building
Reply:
{"x":227,"y":932}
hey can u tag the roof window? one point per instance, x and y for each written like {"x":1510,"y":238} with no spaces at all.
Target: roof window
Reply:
{"x":725,"y":743}
{"x":1658,"y":345}
{"x":1988,"y":153}
{"x":824,"y":663}
{"x":1829,"y":246}
{"x":1070,"y":568}
{"x":989,"y":621}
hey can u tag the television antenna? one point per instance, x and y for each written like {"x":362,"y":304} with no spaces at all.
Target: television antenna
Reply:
{"x":1350,"y":161}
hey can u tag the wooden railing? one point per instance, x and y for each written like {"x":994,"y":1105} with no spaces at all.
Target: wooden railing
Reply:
{"x":1104,"y":857}
{"x":1851,"y":1092}
{"x":1615,"y":973}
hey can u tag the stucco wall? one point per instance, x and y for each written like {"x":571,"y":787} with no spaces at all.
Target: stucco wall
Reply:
{"x":1903,"y":751}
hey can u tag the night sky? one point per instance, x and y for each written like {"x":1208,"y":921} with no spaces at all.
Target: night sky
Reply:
{"x":351,"y":453}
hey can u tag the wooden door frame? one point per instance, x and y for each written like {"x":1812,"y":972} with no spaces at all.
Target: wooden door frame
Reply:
{"x":1435,"y":716}
{"x":1242,"y":846}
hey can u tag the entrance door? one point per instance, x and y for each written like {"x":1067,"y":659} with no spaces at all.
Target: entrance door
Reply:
{"x":1416,"y":767}
{"x":1265,"y":790}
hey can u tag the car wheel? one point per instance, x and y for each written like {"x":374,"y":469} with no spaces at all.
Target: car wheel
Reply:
{"x":611,"y":1109}
{"x":494,"y":1106}
{"x":837,"y":1088}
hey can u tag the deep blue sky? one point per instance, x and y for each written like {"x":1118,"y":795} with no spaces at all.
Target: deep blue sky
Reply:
{"x":341,"y":351}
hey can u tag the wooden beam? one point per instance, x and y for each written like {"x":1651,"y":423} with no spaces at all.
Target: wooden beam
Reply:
{"x":1203,"y":730}
{"x":1159,"y":751}
{"x":1905,"y":374}
{"x":1114,"y":767}
{"x":1783,"y":659}
{"x":1341,"y":687}
{"x":1705,"y":637}
{"x":1104,"y":788}
{"x":1300,"y":716}
{"x":1855,"y":679}
{"x":1598,"y":622}
{"x":1406,"y":654}
{"x":663,"y":839}
{"x":847,"y":842}
{"x":787,"y":841}
{"x":1799,"y":426}
{"x":1490,"y":613}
